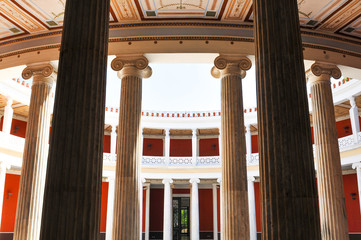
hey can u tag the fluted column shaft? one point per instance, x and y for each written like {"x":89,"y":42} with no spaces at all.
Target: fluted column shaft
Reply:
{"x":3,"y":167}
{"x":167,"y":218}
{"x":252,"y":209}
{"x":126,"y":221}
{"x":234,"y":171}
{"x":287,"y":174}
{"x":249,"y":142}
{"x":72,"y":199}
{"x":33,"y":170}
{"x":110,"y":209}
{"x":8,"y":116}
{"x":194,"y":146}
{"x":147,"y":205}
{"x":113,"y":141}
{"x":166,"y":146}
{"x":329,"y":172}
{"x":194,"y":209}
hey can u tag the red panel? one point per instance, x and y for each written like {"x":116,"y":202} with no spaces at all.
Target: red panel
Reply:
{"x":181,"y":191}
{"x":1,"y":123}
{"x":312,"y":135}
{"x":208,"y":147}
{"x":257,"y":198}
{"x":352,"y":205}
{"x":156,"y":210}
{"x":9,"y":205}
{"x":343,"y":128}
{"x":106,"y":145}
{"x":205,"y":210}
{"x":18,"y":128}
{"x":180,"y":147}
{"x":152,"y":147}
{"x":254,"y":140}
{"x":104,"y":206}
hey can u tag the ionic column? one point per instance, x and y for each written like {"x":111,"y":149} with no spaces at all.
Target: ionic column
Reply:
{"x":110,"y":209}
{"x":194,"y":146}
{"x":249,"y":142}
{"x":167,"y":218}
{"x":131,"y":69}
{"x":234,"y":172}
{"x":72,"y":199}
{"x":287,"y":174}
{"x":147,"y":204}
{"x":35,"y":157}
{"x":252,"y":209}
{"x":354,"y":117}
{"x":357,"y":166}
{"x":215,"y":215}
{"x":166,"y":146}
{"x":113,"y":141}
{"x":3,"y":167}
{"x":329,"y":172}
{"x":194,"y":209}
{"x":8,"y":115}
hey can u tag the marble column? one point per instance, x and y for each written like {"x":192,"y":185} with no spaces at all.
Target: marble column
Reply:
{"x":131,"y":69}
{"x":110,"y":209}
{"x":354,"y":117}
{"x":167,"y":218}
{"x":328,"y":162}
{"x":285,"y":143}
{"x":232,"y":69}
{"x":147,"y":205}
{"x":357,"y":166}
{"x":215,"y":214}
{"x":72,"y":198}
{"x":3,"y":167}
{"x":252,"y":209}
{"x":194,"y":209}
{"x":113,"y":141}
{"x":35,"y":156}
{"x":166,"y":146}
{"x":194,"y":146}
{"x":249,"y":142}
{"x":8,"y":116}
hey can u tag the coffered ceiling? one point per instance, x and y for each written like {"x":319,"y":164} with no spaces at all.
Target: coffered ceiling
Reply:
{"x":33,"y":17}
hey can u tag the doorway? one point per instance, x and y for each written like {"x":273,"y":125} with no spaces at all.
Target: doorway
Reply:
{"x":181,"y":218}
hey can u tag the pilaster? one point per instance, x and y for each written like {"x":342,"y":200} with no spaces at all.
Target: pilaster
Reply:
{"x":194,"y":209}
{"x":167,"y":220}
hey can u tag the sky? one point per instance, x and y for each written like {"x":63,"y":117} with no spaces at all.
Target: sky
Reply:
{"x":181,"y":87}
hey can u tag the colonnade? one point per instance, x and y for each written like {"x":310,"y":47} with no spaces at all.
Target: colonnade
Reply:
{"x":71,"y":208}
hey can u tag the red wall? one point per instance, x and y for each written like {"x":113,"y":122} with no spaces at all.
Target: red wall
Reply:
{"x":352,"y":206}
{"x":219,"y":208}
{"x":9,"y":205}
{"x":180,"y":147}
{"x":106,"y":145}
{"x":20,"y":132}
{"x":254,"y":140}
{"x":341,"y":132}
{"x":156,"y":148}
{"x":156,"y":210}
{"x":12,"y":182}
{"x":206,"y":148}
{"x":144,"y":209}
{"x":257,"y":197}
{"x":205,"y":198}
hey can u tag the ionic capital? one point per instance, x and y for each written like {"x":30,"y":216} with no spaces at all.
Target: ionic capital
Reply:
{"x":131,"y":65}
{"x":42,"y":72}
{"x":322,"y":72}
{"x":251,"y":178}
{"x":230,"y":65}
{"x":167,"y":181}
{"x":194,"y":180}
{"x":356,"y":165}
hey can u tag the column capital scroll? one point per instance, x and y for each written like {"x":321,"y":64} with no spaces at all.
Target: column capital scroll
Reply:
{"x":323,"y":72}
{"x":167,"y":181}
{"x":194,"y":180}
{"x":251,"y":178}
{"x":131,"y":65}
{"x":45,"y":71}
{"x":230,"y":65}
{"x":356,"y":165}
